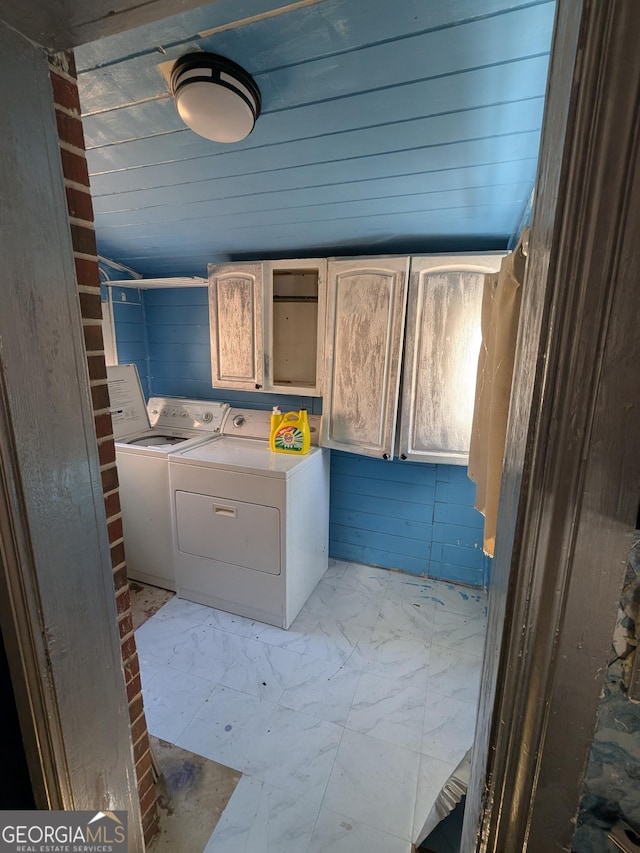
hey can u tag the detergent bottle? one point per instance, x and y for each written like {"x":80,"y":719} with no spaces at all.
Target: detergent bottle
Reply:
{"x":290,"y":433}
{"x":276,"y":417}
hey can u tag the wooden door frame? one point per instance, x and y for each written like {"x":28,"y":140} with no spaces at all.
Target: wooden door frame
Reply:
{"x":57,"y":603}
{"x":570,"y":481}
{"x":571,"y":477}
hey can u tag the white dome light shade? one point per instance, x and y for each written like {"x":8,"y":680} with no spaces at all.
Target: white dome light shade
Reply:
{"x":215,"y":97}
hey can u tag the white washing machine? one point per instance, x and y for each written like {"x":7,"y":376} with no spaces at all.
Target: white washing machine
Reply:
{"x":250,"y":527}
{"x":145,"y":436}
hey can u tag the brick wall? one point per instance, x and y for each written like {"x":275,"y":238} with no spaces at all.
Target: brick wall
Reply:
{"x":72,"y":151}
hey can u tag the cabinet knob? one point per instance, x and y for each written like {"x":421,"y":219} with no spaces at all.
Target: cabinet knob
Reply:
{"x":258,"y":387}
{"x":403,"y":456}
{"x":385,"y":455}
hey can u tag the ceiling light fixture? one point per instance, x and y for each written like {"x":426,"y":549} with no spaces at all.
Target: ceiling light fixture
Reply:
{"x":215,"y":97}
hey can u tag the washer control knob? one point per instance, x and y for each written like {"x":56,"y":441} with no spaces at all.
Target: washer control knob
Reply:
{"x":239,"y":420}
{"x":207,"y":417}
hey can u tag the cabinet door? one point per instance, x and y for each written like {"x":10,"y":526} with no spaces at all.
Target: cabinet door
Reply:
{"x":236,"y":317}
{"x":365,"y":321}
{"x":295,"y":296}
{"x":441,"y":356}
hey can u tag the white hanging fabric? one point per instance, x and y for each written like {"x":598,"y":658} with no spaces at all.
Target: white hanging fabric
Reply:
{"x":500,"y":314}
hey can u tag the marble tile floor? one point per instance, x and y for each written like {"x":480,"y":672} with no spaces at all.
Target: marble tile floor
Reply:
{"x":345,"y":727}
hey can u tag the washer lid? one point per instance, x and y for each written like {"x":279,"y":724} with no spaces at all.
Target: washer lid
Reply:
{"x":128,"y":409}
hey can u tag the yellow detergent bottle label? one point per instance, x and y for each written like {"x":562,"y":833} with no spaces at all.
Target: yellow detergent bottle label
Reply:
{"x":290,"y":434}
{"x":289,"y":438}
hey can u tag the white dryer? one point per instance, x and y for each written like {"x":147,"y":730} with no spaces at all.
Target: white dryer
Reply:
{"x":145,"y":436}
{"x":250,"y":527}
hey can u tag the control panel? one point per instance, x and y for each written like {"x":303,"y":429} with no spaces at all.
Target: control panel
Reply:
{"x":256,"y":424}
{"x":169,"y":413}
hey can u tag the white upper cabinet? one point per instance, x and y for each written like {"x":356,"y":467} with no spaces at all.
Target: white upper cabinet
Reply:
{"x":365,"y":321}
{"x":441,"y":356}
{"x":295,"y":296}
{"x":267,"y":325}
{"x":236,"y":323}
{"x":268,"y":333}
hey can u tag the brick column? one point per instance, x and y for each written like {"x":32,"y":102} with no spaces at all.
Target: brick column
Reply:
{"x":76,"y":176}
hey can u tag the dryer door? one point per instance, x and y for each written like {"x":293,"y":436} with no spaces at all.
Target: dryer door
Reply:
{"x":228,"y":531}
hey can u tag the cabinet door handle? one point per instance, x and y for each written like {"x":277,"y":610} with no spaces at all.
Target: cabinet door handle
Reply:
{"x":258,"y":387}
{"x":385,"y":455}
{"x":226,"y":511}
{"x":403,"y":456}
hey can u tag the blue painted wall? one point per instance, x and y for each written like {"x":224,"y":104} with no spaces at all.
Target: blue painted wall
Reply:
{"x":131,"y":330}
{"x":401,"y":515}
{"x":410,"y":516}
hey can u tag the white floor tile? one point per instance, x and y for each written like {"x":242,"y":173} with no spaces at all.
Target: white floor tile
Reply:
{"x":207,"y":652}
{"x":432,"y":775}
{"x":406,"y":619}
{"x":375,"y":783}
{"x":397,"y":657}
{"x":323,"y":689}
{"x":335,"y":570}
{"x":455,"y":674}
{"x":262,"y":819}
{"x":339,"y":641}
{"x":148,"y":671}
{"x":367,"y":580}
{"x":296,"y":639}
{"x":228,"y":727}
{"x":405,"y":587}
{"x":337,"y":833}
{"x":261,"y":670}
{"x":458,"y":599}
{"x":230,"y":622}
{"x":457,"y":631}
{"x":159,"y":637}
{"x":171,"y":700}
{"x":448,"y":729}
{"x":182,"y":608}
{"x":389,"y":710}
{"x":333,"y":601}
{"x":296,"y":753}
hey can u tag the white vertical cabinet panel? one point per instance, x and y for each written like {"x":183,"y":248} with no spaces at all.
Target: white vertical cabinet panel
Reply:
{"x":441,"y":356}
{"x":365,"y":322}
{"x":236,"y":316}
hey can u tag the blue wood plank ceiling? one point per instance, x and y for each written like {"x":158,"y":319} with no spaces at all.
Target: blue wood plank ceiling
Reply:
{"x":407,"y":127}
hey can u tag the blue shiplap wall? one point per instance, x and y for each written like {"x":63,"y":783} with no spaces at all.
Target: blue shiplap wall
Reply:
{"x":131,"y":330}
{"x":456,"y":547}
{"x":410,"y":516}
{"x":402,"y":515}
